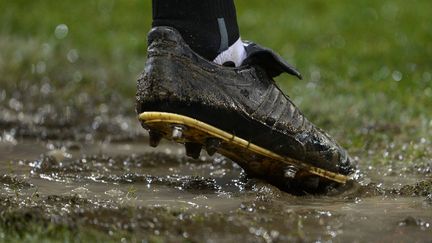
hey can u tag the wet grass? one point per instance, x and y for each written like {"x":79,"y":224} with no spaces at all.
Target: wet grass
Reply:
{"x":365,"y":64}
{"x":367,"y":82}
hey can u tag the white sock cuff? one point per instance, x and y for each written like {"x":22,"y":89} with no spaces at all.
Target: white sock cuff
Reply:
{"x":235,"y":53}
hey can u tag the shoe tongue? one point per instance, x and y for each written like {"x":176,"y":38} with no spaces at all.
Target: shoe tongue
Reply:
{"x":269,"y":60}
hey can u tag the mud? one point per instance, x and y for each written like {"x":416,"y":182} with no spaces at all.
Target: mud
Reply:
{"x":75,"y":167}
{"x":80,"y":166}
{"x":133,"y":192}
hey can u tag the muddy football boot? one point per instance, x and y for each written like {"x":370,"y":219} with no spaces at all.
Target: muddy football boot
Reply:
{"x":238,"y":112}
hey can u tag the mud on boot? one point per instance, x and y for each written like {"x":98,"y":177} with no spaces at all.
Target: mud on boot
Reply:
{"x":256,"y":125}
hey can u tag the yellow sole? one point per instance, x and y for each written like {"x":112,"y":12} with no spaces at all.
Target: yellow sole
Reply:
{"x":232,"y":146}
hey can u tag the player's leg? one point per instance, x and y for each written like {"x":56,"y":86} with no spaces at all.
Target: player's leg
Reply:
{"x":209,"y":27}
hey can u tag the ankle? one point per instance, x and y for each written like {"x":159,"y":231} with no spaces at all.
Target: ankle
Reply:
{"x":209,"y":27}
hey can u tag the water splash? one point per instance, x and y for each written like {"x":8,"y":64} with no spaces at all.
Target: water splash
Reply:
{"x":61,"y":31}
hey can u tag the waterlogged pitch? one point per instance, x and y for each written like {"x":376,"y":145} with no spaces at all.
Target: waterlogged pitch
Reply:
{"x":75,"y":164}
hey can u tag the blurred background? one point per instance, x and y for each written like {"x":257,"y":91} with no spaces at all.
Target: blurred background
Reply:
{"x":367,"y":66}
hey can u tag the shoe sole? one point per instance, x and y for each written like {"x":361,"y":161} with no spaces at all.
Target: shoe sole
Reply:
{"x":196,"y":134}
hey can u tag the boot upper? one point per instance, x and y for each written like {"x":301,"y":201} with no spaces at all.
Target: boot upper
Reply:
{"x":242,"y":100}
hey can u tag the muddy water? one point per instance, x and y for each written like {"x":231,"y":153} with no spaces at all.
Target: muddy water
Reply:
{"x":158,"y":192}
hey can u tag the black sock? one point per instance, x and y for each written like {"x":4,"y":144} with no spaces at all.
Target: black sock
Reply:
{"x":209,"y":27}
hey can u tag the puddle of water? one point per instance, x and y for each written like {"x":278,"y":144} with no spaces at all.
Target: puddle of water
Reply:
{"x":135,"y":175}
{"x":375,"y":219}
{"x":93,"y":186}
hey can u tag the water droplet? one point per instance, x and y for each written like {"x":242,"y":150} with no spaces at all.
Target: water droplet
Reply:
{"x":61,"y":31}
{"x":72,"y":55}
{"x":103,"y":108}
{"x":311,"y":85}
{"x":8,"y":137}
{"x":40,"y":67}
{"x":274,"y":233}
{"x":315,"y":75}
{"x":124,"y":126}
{"x":46,"y":49}
{"x":15,"y":104}
{"x":59,"y":154}
{"x":45,"y":89}
{"x":77,"y":76}
{"x":397,"y":76}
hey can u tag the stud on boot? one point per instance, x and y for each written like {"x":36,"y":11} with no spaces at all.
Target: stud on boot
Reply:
{"x":154,"y":138}
{"x":193,"y":149}
{"x":212,"y":145}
